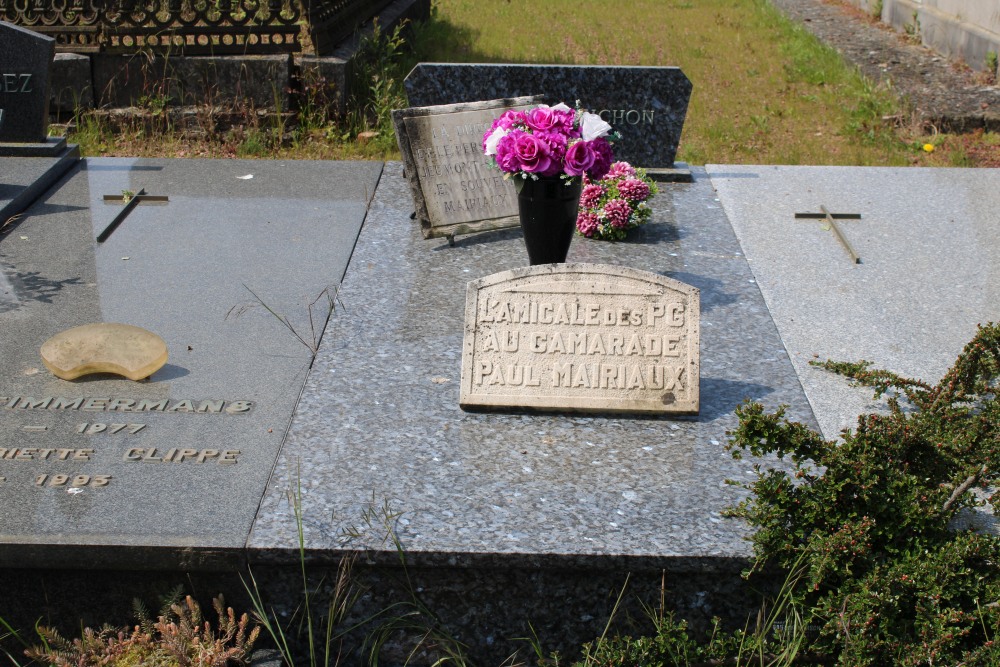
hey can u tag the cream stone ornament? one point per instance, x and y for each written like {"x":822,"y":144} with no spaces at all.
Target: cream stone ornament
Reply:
{"x":104,"y":347}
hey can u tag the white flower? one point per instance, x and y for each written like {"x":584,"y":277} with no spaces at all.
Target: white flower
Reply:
{"x":493,"y":140}
{"x":593,"y":126}
{"x":561,"y":107}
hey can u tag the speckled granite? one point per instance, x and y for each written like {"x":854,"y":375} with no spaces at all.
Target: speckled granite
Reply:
{"x":647,"y":105}
{"x":379,"y":420}
{"x":928,"y":241}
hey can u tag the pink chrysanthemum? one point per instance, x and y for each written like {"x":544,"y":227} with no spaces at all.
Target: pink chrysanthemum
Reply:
{"x":617,"y":212}
{"x":591,"y":195}
{"x":633,"y":189}
{"x":587,"y":223}
{"x":619,"y":169}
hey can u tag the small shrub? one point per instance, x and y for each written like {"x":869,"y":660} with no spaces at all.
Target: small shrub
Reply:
{"x":180,"y":637}
{"x":888,"y":576}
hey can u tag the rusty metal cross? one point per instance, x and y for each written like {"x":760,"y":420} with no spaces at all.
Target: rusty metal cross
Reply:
{"x":831,"y":219}
{"x":130,"y":201}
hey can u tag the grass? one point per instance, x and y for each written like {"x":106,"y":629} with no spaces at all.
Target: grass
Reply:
{"x":765,"y":90}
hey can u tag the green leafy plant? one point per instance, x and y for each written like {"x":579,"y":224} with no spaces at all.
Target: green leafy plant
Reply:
{"x":991,"y":64}
{"x":377,"y":86}
{"x":913,"y":29}
{"x":889,"y":574}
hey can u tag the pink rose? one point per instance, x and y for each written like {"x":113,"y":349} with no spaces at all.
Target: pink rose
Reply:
{"x":532,"y":153}
{"x":541,"y":118}
{"x":509,"y":119}
{"x":551,"y":119}
{"x":579,"y":158}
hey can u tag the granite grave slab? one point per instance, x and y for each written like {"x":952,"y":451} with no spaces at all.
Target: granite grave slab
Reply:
{"x":928,"y":243}
{"x":454,"y":188}
{"x":503,"y":515}
{"x":647,"y":105}
{"x":104,"y":472}
{"x":383,"y":399}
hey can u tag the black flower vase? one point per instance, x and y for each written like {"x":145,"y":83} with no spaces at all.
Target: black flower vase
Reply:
{"x":548,"y":209}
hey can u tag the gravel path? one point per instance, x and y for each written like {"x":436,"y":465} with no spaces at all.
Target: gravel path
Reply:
{"x":943,"y":94}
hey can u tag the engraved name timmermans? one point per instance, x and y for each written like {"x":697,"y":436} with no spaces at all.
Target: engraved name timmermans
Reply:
{"x":210,"y":406}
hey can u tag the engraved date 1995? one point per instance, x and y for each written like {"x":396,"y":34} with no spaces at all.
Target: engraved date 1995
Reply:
{"x":73,"y":481}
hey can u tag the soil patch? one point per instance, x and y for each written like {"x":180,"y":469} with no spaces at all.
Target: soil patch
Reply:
{"x":944,"y":95}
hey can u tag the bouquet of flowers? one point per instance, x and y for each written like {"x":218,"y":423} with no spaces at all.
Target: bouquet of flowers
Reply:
{"x":611,"y":206}
{"x":550,"y":141}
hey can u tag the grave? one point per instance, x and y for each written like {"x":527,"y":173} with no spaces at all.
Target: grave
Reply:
{"x":646,"y":105}
{"x":505,"y":517}
{"x":512,"y":517}
{"x":927,"y":275}
{"x":106,"y":472}
{"x":116,"y":486}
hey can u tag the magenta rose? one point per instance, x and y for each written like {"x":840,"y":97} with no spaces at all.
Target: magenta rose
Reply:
{"x":532,"y":153}
{"x":579,"y":158}
{"x":510,"y":118}
{"x":541,"y":119}
{"x":556,"y":144}
{"x":602,"y":158}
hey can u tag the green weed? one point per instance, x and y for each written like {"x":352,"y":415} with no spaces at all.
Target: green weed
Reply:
{"x":888,"y":575}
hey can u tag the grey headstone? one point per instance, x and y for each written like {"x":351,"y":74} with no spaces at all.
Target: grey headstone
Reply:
{"x":647,"y":105}
{"x":71,"y":88}
{"x":25,"y":61}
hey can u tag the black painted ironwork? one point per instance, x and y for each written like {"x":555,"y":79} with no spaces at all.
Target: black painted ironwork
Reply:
{"x":191,"y":27}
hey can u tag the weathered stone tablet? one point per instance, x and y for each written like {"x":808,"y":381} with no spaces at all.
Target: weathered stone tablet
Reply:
{"x":581,"y":337}
{"x":455,"y":189}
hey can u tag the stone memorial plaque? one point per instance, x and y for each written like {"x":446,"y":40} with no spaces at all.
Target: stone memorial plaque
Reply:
{"x":646,"y":105}
{"x":25,"y":59}
{"x":455,"y":189}
{"x":581,"y":337}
